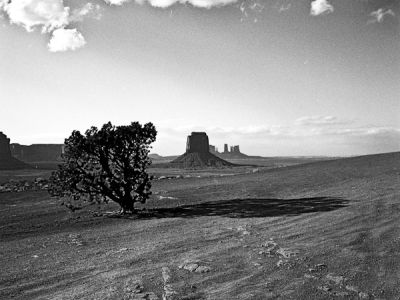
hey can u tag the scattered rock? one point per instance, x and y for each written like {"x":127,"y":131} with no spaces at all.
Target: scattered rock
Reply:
{"x":271,"y":247}
{"x":74,"y":239}
{"x":312,"y":270}
{"x":335,"y":279}
{"x":243,"y":230}
{"x":310,"y":276}
{"x":134,"y":286}
{"x":324,"y":288}
{"x":191,"y":267}
{"x":280,"y":263}
{"x":363,"y":295}
{"x":203,"y":269}
{"x":166,"y":274}
{"x":122,"y":250}
{"x":286,"y":253}
{"x":352,"y":288}
{"x":169,"y":292}
{"x":166,"y":197}
{"x":342,"y":294}
{"x":23,"y":185}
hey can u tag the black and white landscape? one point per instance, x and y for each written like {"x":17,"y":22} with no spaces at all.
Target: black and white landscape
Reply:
{"x":199,"y":149}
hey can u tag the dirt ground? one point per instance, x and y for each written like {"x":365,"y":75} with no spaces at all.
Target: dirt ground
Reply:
{"x":323,"y":230}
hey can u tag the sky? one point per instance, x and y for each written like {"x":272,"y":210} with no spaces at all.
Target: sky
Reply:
{"x":277,"y":77}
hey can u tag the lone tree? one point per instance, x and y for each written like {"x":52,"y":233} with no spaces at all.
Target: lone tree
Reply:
{"x":106,"y":164}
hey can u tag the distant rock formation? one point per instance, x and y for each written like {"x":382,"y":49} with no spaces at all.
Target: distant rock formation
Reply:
{"x":5,"y":151}
{"x":7,"y":161}
{"x":234,"y":152}
{"x":198,"y":154}
{"x":37,"y":152}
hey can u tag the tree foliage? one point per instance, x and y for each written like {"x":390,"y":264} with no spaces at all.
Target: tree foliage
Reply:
{"x":106,"y":164}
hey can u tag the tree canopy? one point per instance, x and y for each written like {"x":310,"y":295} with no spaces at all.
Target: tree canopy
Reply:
{"x":106,"y":164}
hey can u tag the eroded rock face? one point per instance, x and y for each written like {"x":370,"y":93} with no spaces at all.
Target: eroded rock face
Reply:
{"x":197,"y":142}
{"x":198,"y":154}
{"x":5,"y":151}
{"x":7,"y":161}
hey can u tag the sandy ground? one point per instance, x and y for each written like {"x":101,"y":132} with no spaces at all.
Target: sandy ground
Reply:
{"x":325,"y":230}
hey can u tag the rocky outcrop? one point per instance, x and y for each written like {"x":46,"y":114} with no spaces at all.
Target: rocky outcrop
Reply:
{"x":7,"y":161}
{"x":198,"y":154}
{"x":233,"y":153}
{"x":4,"y":146}
{"x":37,"y":152}
{"x":197,"y":142}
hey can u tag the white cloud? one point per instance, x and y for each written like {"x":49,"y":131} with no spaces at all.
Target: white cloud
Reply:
{"x":47,"y":14}
{"x":167,"y":3}
{"x":51,"y":16}
{"x":116,"y":2}
{"x":66,"y":39}
{"x":321,"y":7}
{"x":380,"y":14}
{"x":195,"y":3}
{"x":3,"y":3}
{"x":88,"y":10}
{"x":318,"y":120}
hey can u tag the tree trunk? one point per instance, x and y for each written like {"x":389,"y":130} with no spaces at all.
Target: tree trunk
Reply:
{"x":127,"y":205}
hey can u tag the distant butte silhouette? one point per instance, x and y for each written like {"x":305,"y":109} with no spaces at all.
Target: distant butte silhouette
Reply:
{"x":7,"y":161}
{"x":198,"y":154}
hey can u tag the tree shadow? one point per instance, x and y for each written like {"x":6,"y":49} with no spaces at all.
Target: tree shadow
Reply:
{"x":250,"y":208}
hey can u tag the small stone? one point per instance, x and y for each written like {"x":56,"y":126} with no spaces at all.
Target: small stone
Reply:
{"x":320,"y":266}
{"x":133,"y":286}
{"x":287,"y":293}
{"x":312,"y":270}
{"x":310,"y":276}
{"x":363,"y":295}
{"x":166,"y":274}
{"x":169,"y":291}
{"x":280,"y":263}
{"x":191,"y":267}
{"x":286,"y":253}
{"x":352,"y":288}
{"x":342,"y":294}
{"x":202,"y":269}
{"x":324,"y":288}
{"x":335,"y":279}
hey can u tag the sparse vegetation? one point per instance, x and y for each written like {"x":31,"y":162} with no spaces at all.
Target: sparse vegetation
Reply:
{"x":106,"y":164}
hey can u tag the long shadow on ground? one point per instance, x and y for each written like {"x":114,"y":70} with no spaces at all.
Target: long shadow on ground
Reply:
{"x":250,"y":208}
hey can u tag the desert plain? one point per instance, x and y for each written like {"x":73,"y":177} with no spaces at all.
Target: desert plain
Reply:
{"x":316,"y":230}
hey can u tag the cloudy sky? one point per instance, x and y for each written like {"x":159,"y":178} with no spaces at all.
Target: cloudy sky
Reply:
{"x":277,"y":77}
